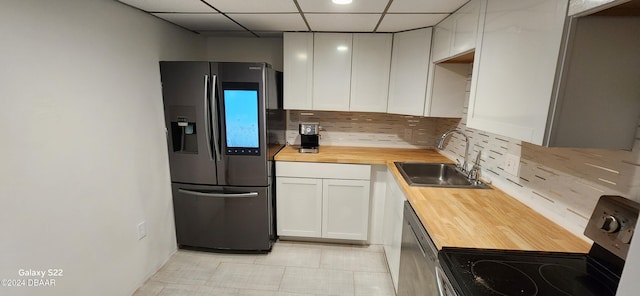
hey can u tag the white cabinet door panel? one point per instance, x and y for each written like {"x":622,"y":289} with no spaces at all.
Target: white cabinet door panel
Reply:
{"x":298,"y":70}
{"x":465,"y":24}
{"x":442,"y":35}
{"x":409,"y":70}
{"x":332,"y":71}
{"x":345,"y":209}
{"x":370,"y":68}
{"x":394,"y":206}
{"x":299,"y":206}
{"x":517,"y":65}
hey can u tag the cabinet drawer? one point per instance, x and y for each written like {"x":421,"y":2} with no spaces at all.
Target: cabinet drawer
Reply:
{"x":323,"y":170}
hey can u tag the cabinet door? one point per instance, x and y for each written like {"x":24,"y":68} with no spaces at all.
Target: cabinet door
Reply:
{"x":332,"y":71}
{"x":442,"y":35}
{"x":370,"y":68}
{"x":516,"y":66}
{"x":465,"y":24}
{"x":298,"y":70}
{"x":299,"y":207}
{"x":345,"y":212}
{"x":409,"y":70}
{"x":394,"y":203}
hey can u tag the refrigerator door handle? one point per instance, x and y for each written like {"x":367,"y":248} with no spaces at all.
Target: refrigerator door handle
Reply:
{"x":207,"y":116}
{"x":214,"y":105}
{"x":219,"y":195}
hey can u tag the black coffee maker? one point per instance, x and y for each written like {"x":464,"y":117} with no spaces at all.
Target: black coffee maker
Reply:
{"x":309,"y":138}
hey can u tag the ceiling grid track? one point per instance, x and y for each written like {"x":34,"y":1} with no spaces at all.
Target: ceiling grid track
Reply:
{"x":228,"y":17}
{"x":302,"y":15}
{"x":384,"y":13}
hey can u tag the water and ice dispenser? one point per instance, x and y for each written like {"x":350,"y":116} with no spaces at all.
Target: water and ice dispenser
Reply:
{"x":184,"y":130}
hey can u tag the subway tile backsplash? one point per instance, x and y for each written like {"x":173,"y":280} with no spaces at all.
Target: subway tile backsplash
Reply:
{"x":563,"y":184}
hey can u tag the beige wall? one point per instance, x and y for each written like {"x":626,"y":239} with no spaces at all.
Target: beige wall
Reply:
{"x":246,"y":49}
{"x":83,"y":150}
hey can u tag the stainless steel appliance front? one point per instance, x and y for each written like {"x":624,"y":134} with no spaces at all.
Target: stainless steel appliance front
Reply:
{"x":229,"y":218}
{"x":420,"y":272}
{"x":225,"y":123}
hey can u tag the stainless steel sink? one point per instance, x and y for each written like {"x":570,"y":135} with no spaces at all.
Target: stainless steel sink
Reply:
{"x":436,"y":175}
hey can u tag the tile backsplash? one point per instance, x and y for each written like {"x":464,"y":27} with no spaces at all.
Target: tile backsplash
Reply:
{"x":563,"y":184}
{"x":369,"y":129}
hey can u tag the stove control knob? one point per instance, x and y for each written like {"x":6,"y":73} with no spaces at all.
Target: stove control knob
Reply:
{"x":609,"y":224}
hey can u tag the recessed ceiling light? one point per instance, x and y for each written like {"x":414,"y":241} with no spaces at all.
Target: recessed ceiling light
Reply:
{"x":342,"y":2}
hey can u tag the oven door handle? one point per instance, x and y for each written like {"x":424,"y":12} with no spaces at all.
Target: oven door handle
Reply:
{"x":441,"y":279}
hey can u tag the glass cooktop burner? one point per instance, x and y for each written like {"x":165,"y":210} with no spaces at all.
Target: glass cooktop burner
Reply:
{"x":511,"y":281}
{"x":571,"y":281}
{"x":525,"y":273}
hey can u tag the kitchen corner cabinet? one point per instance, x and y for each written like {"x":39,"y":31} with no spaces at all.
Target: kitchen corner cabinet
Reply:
{"x":298,"y":70}
{"x":332,"y":71}
{"x":456,"y":35}
{"x":370,"y":66}
{"x":442,"y":34}
{"x":393,"y":214}
{"x":323,"y":200}
{"x":409,"y":71}
{"x":465,"y":28}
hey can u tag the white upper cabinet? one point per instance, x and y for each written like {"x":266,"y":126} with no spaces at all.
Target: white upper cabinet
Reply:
{"x":550,"y":80}
{"x":332,"y":71}
{"x":515,"y":67}
{"x":298,"y":70}
{"x":465,"y":25}
{"x":409,"y":71}
{"x":456,"y":34}
{"x":442,"y":35}
{"x":370,"y":66}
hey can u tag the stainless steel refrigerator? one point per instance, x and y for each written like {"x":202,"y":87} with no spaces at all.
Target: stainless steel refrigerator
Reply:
{"x":225,"y":123}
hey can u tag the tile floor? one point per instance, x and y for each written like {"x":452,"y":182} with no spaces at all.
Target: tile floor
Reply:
{"x":291,"y":269}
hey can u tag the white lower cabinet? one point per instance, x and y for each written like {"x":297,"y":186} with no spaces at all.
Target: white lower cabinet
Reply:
{"x":394,"y":203}
{"x":299,"y":206}
{"x":321,"y":200}
{"x":345,"y":209}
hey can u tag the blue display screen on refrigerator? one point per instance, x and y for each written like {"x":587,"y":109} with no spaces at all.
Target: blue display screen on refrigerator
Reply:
{"x":241,"y":120}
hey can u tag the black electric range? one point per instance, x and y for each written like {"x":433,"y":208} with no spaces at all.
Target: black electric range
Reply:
{"x":528,"y":273}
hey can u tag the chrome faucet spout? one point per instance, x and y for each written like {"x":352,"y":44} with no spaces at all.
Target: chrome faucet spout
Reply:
{"x":463,"y":166}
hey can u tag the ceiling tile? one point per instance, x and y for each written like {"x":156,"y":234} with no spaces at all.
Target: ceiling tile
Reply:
{"x":271,"y":22}
{"x":252,"y":6}
{"x":404,"y":21}
{"x":343,"y":22}
{"x":200,"y":21}
{"x":169,"y":5}
{"x":422,"y":6}
{"x":357,"y":6}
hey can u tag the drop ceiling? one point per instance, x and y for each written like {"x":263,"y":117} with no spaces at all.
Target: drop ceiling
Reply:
{"x":265,"y":18}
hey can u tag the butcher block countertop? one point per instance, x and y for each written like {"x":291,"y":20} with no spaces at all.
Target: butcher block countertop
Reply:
{"x":471,"y":218}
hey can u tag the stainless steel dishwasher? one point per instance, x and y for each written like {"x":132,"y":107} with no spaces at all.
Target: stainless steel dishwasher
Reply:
{"x":420,"y":271}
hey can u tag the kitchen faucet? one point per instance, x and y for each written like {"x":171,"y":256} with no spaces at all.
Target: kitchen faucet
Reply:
{"x":463,"y":166}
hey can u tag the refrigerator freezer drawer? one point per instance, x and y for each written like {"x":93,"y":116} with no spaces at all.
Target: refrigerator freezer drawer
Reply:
{"x":223,"y":217}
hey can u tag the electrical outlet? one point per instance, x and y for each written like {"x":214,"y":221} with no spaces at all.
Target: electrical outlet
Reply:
{"x":142,"y":230}
{"x":512,"y":164}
